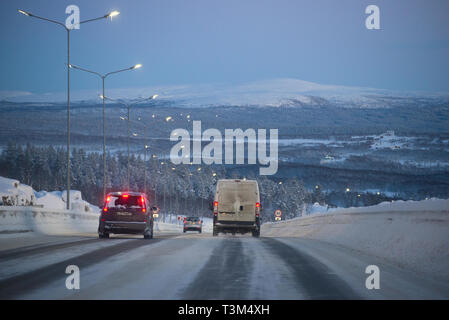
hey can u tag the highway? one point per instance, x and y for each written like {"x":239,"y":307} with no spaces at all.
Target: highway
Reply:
{"x":199,"y":266}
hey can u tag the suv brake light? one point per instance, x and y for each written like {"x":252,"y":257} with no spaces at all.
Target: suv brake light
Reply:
{"x":108,"y":198}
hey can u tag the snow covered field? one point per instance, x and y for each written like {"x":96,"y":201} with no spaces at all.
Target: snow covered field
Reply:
{"x":410,"y":234}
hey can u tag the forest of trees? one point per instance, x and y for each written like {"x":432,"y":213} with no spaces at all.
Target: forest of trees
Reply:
{"x":179,"y":189}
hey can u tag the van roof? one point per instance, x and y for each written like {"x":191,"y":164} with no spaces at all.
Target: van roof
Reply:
{"x":237,"y":180}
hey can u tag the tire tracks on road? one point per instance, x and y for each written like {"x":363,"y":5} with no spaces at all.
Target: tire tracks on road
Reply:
{"x":38,"y":249}
{"x":226,"y":274}
{"x":310,"y":274}
{"x":14,"y":287}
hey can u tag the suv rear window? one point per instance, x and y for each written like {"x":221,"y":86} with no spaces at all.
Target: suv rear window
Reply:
{"x":125,"y":201}
{"x":192,"y":219}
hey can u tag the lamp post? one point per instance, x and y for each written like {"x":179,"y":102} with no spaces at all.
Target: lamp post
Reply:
{"x":103,"y":77}
{"x":109,"y":15}
{"x":128,"y":107}
{"x":145,"y":157}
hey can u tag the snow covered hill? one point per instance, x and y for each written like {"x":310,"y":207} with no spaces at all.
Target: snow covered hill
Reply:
{"x":286,"y":92}
{"x":412,"y":234}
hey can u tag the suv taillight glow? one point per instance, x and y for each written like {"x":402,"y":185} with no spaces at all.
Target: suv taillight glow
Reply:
{"x":105,"y":209}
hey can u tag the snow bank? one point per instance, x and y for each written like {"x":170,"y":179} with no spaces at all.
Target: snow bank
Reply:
{"x":57,"y":200}
{"x":432,"y":204}
{"x":50,"y":200}
{"x":12,"y":192}
{"x":75,"y":195}
{"x":316,"y":208}
{"x":412,"y":234}
{"x":46,"y":221}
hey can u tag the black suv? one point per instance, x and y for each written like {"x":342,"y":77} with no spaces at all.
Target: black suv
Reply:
{"x":126,"y":213}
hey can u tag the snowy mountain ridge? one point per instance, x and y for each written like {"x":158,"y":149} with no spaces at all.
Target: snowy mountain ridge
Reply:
{"x":283,"y":92}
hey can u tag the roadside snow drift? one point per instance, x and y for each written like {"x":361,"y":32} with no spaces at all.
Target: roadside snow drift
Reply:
{"x":12,"y":192}
{"x":46,"y":221}
{"x":413,"y":234}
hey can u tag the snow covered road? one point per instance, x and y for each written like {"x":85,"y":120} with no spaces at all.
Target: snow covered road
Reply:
{"x":199,"y":266}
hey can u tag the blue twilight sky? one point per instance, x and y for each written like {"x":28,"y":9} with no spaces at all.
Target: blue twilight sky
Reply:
{"x":228,"y":41}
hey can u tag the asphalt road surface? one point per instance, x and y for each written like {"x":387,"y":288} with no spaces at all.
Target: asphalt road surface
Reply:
{"x":199,"y":266}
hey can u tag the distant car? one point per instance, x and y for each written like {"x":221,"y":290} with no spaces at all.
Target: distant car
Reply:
{"x":193,"y":224}
{"x":126,"y":213}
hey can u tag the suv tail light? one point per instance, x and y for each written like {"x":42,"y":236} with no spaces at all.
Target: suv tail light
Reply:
{"x":105,"y":208}
{"x":142,"y":202}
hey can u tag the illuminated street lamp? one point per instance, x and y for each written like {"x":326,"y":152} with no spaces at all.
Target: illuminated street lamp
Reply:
{"x":103,"y":77}
{"x":109,"y":15}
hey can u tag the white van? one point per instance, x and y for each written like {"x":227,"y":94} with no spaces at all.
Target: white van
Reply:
{"x":237,"y":207}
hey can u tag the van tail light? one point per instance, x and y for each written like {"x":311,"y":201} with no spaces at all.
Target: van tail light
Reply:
{"x":105,"y":209}
{"x":257,"y":209}
{"x":215,"y":208}
{"x":144,"y":210}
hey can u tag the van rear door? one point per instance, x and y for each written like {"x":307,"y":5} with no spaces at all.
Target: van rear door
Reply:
{"x":237,"y":201}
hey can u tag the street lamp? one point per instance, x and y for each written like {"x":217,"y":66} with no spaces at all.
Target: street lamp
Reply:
{"x":145,"y":157}
{"x":103,"y":77}
{"x":28,"y":14}
{"x":128,"y":106}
